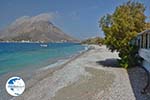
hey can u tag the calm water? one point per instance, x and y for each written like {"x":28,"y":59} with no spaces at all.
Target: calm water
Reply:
{"x":16,"y":56}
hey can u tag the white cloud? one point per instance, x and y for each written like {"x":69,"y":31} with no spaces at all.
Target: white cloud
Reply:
{"x":41,"y":17}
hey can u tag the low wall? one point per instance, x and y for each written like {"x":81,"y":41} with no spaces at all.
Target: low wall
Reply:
{"x":145,"y":54}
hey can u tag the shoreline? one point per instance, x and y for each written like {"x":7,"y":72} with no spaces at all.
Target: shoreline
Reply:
{"x":38,"y":74}
{"x":50,"y":69}
{"x":34,"y":42}
{"x":53,"y":81}
{"x":92,"y":75}
{"x":44,"y":63}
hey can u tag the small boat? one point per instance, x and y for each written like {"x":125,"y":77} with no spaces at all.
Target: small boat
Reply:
{"x":44,"y":45}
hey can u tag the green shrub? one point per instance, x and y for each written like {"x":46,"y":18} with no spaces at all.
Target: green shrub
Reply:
{"x":120,"y":27}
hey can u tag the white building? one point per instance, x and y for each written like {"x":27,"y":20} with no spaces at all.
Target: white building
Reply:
{"x":143,"y":42}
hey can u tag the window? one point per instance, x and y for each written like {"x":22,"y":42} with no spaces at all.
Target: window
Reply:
{"x":139,"y":42}
{"x":146,"y":40}
{"x":149,"y":39}
{"x":142,"y":41}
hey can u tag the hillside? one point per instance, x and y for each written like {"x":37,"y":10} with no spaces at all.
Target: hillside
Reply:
{"x":95,"y":40}
{"x":37,"y":28}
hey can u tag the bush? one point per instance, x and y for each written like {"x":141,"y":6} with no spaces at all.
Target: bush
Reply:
{"x":130,"y":58}
{"x":120,"y":27}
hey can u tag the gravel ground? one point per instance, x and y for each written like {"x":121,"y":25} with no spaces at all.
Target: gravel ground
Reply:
{"x":115,"y":82}
{"x":138,"y":79}
{"x":94,"y":75}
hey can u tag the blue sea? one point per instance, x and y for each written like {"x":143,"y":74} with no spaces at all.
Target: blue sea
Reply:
{"x":18,"y":56}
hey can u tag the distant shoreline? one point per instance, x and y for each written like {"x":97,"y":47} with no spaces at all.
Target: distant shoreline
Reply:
{"x":33,"y":42}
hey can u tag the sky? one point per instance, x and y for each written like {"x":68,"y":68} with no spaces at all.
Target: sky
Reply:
{"x":79,"y":18}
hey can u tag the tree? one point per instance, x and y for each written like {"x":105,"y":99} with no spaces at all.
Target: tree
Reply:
{"x":95,"y":40}
{"x":121,"y":26}
{"x":147,"y":26}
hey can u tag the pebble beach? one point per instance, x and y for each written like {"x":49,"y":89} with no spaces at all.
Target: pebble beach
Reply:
{"x":92,"y":75}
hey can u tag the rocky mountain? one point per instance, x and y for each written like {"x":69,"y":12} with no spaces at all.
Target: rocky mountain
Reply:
{"x":37,"y":28}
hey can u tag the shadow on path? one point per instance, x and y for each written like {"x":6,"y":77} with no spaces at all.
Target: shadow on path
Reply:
{"x":109,"y":63}
{"x":136,"y":75}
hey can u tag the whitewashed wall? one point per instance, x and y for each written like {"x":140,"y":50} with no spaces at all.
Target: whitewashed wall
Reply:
{"x":145,"y":54}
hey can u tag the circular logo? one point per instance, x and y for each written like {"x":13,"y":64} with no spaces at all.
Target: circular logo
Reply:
{"x":15,"y":86}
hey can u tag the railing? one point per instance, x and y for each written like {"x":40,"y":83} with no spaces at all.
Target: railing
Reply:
{"x":145,"y":54}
